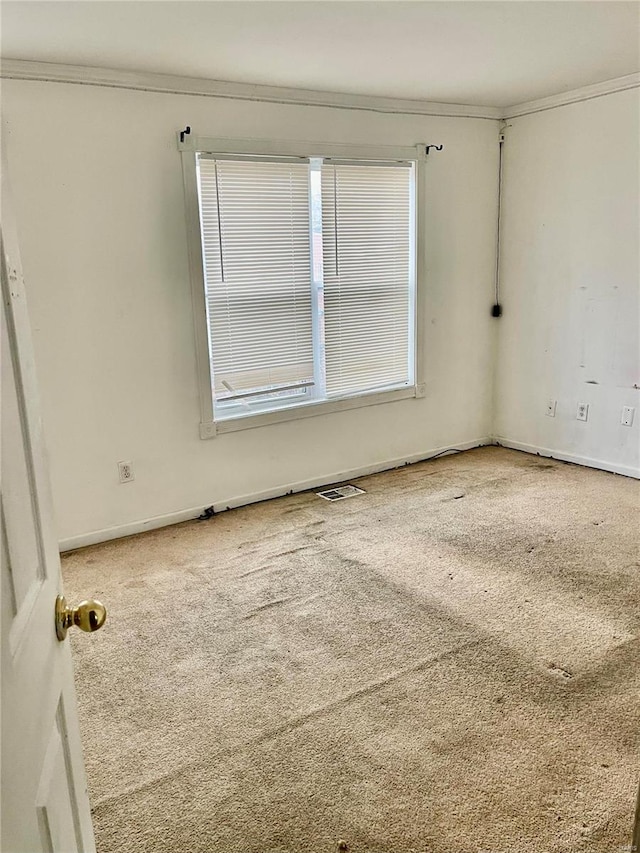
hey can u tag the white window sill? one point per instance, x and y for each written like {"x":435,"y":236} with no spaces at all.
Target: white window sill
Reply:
{"x":309,"y":410}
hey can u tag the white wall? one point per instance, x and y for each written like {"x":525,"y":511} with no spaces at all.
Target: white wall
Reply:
{"x":570,"y":282}
{"x":99,"y":202}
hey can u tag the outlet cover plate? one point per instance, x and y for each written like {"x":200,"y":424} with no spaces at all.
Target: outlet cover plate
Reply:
{"x":627,"y":415}
{"x":551,"y":408}
{"x":125,"y":472}
{"x":582,"y":413}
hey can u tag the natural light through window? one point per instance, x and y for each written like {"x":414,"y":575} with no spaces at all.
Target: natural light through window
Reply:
{"x":309,"y":277}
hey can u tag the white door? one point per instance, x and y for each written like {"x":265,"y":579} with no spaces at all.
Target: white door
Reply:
{"x":44,"y":802}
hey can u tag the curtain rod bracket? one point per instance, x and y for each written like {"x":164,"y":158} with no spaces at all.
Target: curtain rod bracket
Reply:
{"x":184,"y":133}
{"x":437,"y":148}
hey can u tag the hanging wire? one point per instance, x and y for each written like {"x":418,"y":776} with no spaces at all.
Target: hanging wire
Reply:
{"x":335,"y":215}
{"x":496,"y":306}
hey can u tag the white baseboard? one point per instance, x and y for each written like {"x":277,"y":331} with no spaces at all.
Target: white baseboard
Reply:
{"x":613,"y":467}
{"x":131,"y":528}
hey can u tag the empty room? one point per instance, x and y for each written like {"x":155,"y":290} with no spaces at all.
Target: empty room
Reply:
{"x":320,"y":426}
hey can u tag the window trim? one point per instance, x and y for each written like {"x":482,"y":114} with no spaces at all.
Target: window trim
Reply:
{"x":189,"y":148}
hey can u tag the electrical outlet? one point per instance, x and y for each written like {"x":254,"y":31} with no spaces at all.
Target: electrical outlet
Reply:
{"x":583,"y":412}
{"x":551,"y":408}
{"x":125,"y":470}
{"x":627,"y":415}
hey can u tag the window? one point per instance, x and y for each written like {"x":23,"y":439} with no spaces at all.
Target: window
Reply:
{"x":308,"y":265}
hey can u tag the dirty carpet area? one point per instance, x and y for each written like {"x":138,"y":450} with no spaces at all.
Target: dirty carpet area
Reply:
{"x":449,"y":663}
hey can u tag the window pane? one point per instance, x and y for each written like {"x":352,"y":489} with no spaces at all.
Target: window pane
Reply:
{"x":257,"y":259}
{"x":366,"y":217}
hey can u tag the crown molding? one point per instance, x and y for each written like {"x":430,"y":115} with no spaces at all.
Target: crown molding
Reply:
{"x":22,"y":69}
{"x":585,"y":93}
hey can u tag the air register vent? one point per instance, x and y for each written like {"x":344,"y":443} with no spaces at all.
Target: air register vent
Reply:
{"x":340,"y":493}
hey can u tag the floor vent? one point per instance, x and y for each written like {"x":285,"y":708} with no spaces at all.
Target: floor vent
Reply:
{"x":340,"y":493}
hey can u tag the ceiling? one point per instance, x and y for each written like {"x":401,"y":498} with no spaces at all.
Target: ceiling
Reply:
{"x":461,"y":51}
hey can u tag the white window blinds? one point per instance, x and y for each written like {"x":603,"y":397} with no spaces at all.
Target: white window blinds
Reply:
{"x":366,"y":219}
{"x":257,"y":264}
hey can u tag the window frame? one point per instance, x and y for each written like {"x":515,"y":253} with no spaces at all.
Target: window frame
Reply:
{"x":190,"y":146}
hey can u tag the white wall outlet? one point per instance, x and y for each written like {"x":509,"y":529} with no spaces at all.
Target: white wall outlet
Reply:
{"x":551,"y":408}
{"x":627,"y":415}
{"x":125,"y":471}
{"x":583,"y":412}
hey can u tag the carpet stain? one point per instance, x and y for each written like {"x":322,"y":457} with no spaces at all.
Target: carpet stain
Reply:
{"x":559,"y":670}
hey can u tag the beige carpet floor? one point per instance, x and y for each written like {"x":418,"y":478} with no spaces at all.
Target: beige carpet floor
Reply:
{"x":449,"y":663}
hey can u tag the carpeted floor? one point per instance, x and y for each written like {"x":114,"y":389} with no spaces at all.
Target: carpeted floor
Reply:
{"x":449,"y":663}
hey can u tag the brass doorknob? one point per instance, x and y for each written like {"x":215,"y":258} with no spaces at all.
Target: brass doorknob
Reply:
{"x":88,"y":615}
